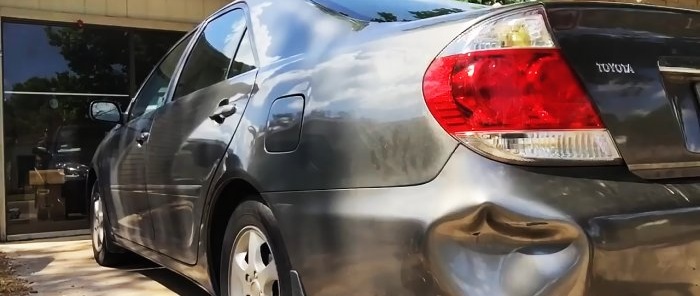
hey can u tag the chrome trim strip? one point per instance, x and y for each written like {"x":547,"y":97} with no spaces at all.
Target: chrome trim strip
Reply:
{"x":664,"y":165}
{"x":41,"y":93}
{"x":679,"y":70}
{"x":154,"y":186}
{"x":177,"y":187}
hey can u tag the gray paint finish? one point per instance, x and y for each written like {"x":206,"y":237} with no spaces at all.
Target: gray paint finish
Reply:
{"x":182,"y":158}
{"x":372,"y":196}
{"x":284,"y":124}
{"x":486,"y":228}
{"x":184,"y":150}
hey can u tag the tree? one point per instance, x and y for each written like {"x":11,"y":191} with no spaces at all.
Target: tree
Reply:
{"x":97,"y":60}
{"x":390,"y":17}
{"x":492,"y":2}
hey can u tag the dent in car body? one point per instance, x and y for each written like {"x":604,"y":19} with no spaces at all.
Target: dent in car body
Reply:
{"x":486,"y":228}
{"x":329,"y":44}
{"x":426,"y":216}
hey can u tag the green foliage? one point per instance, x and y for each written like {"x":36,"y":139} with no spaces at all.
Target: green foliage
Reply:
{"x":91,"y":60}
{"x":390,"y":17}
{"x":492,"y":2}
{"x":433,"y":13}
{"x":97,"y":62}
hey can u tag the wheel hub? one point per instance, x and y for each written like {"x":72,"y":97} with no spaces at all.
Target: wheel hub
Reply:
{"x":97,"y":222}
{"x":256,"y":289}
{"x":252,"y":268}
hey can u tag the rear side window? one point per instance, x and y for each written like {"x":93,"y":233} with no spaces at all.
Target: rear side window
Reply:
{"x":396,"y":10}
{"x":152,"y":93}
{"x":244,"y":61}
{"x":211,"y":56}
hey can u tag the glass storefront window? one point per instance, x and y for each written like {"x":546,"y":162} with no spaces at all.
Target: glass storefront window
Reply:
{"x":51,"y":73}
{"x":48,"y":143}
{"x":65,"y":59}
{"x":149,"y":47}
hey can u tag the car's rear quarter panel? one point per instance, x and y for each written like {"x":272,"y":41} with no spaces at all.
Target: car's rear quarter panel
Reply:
{"x":365,"y":122}
{"x":487,"y":228}
{"x":438,"y":218}
{"x":480,"y":227}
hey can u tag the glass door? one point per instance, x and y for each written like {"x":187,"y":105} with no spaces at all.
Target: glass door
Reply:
{"x":51,"y":73}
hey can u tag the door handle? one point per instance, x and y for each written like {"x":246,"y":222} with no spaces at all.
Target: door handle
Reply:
{"x":224,"y":110}
{"x":142,"y":138}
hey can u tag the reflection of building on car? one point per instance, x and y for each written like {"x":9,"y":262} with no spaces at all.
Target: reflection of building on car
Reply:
{"x":58,"y":179}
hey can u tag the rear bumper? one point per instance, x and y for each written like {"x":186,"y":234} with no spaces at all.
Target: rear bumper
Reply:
{"x":486,"y":228}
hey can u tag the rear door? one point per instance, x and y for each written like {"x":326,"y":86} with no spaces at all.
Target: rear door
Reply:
{"x":130,"y":209}
{"x":641,"y":66}
{"x":190,"y":134}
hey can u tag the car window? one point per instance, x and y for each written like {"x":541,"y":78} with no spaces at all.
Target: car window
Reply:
{"x":152,"y":93}
{"x":211,"y":56}
{"x":397,"y":11}
{"x":244,"y":60}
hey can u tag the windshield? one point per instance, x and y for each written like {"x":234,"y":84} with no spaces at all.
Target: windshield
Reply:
{"x":396,"y":10}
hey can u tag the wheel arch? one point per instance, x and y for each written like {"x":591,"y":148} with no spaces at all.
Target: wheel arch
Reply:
{"x":92,"y":177}
{"x":231,"y":190}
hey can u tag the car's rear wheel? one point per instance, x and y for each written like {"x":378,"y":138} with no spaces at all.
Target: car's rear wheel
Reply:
{"x":253,"y":261}
{"x":103,"y":249}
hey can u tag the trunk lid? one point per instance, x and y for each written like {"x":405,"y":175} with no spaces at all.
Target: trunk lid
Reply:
{"x":640,"y":65}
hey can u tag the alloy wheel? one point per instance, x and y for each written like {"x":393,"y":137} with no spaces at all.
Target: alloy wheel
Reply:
{"x":98,"y":231}
{"x":252,"y":267}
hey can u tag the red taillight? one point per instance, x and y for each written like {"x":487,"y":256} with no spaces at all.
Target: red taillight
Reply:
{"x":503,"y":89}
{"x":507,"y":89}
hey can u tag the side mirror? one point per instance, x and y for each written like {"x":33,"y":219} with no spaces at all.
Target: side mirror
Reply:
{"x":105,"y":111}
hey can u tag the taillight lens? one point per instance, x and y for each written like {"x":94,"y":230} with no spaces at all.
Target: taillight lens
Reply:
{"x":503,"y":89}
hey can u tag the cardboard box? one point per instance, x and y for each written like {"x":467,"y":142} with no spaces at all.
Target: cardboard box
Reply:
{"x":45,"y":177}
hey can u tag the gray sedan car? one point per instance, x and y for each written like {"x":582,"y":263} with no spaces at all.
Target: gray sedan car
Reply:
{"x":414,"y":147}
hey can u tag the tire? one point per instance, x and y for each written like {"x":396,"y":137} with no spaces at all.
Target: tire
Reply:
{"x":252,"y":221}
{"x":104,"y":250}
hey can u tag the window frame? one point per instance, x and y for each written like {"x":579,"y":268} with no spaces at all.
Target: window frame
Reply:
{"x":194,"y":33}
{"x":247,"y":30}
{"x":251,"y":36}
{"x":134,"y":88}
{"x":245,"y":34}
{"x":206,"y":24}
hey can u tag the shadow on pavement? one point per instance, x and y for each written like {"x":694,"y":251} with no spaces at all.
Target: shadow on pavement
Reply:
{"x":171,"y":280}
{"x":66,"y":267}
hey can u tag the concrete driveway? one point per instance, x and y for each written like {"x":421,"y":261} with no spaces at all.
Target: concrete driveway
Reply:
{"x":65,"y":267}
